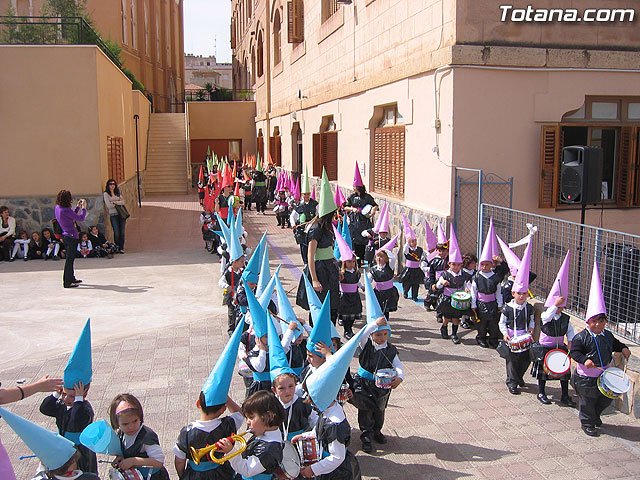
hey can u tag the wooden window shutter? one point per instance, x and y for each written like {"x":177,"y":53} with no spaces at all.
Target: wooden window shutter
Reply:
{"x":295,"y":21}
{"x":272,"y":150}
{"x":317,"y":155}
{"x":330,"y":154}
{"x":388,"y":161}
{"x":549,"y":166}
{"x":115,"y":158}
{"x":233,"y":32}
{"x":627,"y":170}
{"x":260,"y":147}
{"x":278,"y":150}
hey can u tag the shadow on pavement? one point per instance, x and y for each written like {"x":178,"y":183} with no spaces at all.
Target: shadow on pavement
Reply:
{"x":117,"y":288}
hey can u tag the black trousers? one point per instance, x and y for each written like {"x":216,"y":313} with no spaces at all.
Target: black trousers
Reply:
{"x":488,"y":315}
{"x":359,"y":251}
{"x":71,"y":245}
{"x":231,"y":318}
{"x":517,"y":366}
{"x":370,"y":421}
{"x":591,"y":404}
{"x":414,"y":287}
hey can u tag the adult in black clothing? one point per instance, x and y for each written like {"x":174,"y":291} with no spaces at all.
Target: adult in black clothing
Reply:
{"x":357,"y":221}
{"x":221,"y":206}
{"x":259,"y":194}
{"x":303,"y":211}
{"x":323,"y":271}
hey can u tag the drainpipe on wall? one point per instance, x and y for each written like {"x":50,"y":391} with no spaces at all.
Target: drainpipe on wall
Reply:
{"x":267,"y":81}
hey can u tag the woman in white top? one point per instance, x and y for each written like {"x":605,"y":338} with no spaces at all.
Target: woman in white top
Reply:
{"x":112,"y":198}
{"x":7,"y":233}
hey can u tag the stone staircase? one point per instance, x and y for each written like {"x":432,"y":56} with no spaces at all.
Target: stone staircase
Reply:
{"x":167,"y":155}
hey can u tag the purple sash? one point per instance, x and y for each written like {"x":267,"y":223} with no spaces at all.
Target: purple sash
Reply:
{"x":486,"y":297}
{"x":589,"y":372}
{"x":412,"y":264}
{"x":449,"y":291}
{"x":549,"y":341}
{"x":348,"y":287}
{"x":384,"y":285}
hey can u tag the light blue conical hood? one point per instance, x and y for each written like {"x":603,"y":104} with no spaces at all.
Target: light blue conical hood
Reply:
{"x":252,"y":269}
{"x":374,"y":311}
{"x":99,"y":437}
{"x":258,"y":314}
{"x":226,"y":232}
{"x":278,"y":362}
{"x":238,"y":222}
{"x":323,"y":384}
{"x":216,"y":388}
{"x":235,"y":248}
{"x":267,"y":294}
{"x":79,"y":366}
{"x":312,"y":298}
{"x":334,"y":331}
{"x":285,"y":310}
{"x":321,"y":331}
{"x":346,"y":234}
{"x":52,"y":449}
{"x":265,"y":271}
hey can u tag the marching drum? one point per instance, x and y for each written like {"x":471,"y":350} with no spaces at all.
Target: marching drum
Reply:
{"x":366,"y":210}
{"x":520,"y":343}
{"x":557,"y":363}
{"x":343,"y":394}
{"x":461,"y":300}
{"x":131,"y":474}
{"x":309,"y":450}
{"x":613,"y":383}
{"x":384,"y":377}
{"x":290,"y":466}
{"x":244,"y":370}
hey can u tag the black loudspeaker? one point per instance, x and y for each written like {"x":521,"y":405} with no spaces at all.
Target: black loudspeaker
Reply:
{"x":581,"y":175}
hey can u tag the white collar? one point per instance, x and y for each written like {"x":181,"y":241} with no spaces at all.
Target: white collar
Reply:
{"x":271,"y":436}
{"x":75,"y":474}
{"x":287,"y":405}
{"x":334,"y":413}
{"x":350,"y":270}
{"x":486,"y":275}
{"x":207,"y":425}
{"x":379,"y":347}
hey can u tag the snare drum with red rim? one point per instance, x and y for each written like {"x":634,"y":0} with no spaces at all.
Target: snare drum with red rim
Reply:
{"x":309,"y":450}
{"x":290,"y":466}
{"x":557,"y":363}
{"x":521,"y":343}
{"x":131,"y":474}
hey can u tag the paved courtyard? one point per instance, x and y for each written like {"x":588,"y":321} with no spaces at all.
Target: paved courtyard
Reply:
{"x":158,"y":326}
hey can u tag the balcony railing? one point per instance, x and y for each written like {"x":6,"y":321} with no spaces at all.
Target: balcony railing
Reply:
{"x":15,"y":30}
{"x":218,"y":95}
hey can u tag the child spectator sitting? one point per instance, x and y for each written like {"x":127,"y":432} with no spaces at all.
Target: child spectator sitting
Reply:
{"x":20,"y":247}
{"x":36,"y":246}
{"x":84,"y":246}
{"x":52,"y":246}
{"x":101,"y":248}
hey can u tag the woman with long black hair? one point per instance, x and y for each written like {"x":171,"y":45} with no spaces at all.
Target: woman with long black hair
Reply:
{"x":112,"y":198}
{"x":66,"y":218}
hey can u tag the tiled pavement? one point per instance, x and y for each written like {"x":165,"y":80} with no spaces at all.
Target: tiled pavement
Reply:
{"x":451,"y":418}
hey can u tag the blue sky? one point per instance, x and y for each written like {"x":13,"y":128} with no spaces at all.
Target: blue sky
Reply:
{"x":204,"y":20}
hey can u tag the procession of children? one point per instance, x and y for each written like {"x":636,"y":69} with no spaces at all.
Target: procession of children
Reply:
{"x":296,"y":369}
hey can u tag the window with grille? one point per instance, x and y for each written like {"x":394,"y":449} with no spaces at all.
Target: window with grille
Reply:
{"x":260,"y":59}
{"x":276,"y":37}
{"x":325,"y":154}
{"x":329,"y":7}
{"x":115,"y":158}
{"x":125,"y":29}
{"x":388,"y":161}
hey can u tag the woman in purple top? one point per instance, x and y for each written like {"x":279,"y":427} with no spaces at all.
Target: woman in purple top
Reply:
{"x":66,"y":218}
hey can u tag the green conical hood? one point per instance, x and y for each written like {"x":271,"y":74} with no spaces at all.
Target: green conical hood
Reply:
{"x":327,"y":204}
{"x":305,"y":182}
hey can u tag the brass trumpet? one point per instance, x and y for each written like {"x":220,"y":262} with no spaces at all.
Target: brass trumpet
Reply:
{"x":196,"y":455}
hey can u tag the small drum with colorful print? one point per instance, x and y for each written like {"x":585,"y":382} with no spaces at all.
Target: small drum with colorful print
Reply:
{"x":520,"y":343}
{"x":309,"y":450}
{"x":131,"y":474}
{"x":613,"y":383}
{"x":461,"y":300}
{"x":384,"y":377}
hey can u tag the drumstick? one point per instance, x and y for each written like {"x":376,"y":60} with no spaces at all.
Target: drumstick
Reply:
{"x":291,"y":289}
{"x":612,"y":373}
{"x":283,"y":320}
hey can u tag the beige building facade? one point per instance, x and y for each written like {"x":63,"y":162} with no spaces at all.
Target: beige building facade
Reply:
{"x":414,"y":89}
{"x":200,"y":70}
{"x":151,"y":35}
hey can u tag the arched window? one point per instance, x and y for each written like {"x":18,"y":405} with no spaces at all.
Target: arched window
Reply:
{"x":260,"y":54}
{"x":277,"y":23}
{"x":249,"y":8}
{"x":134,"y":25}
{"x":253,"y":66}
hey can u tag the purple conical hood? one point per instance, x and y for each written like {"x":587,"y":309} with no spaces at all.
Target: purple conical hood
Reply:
{"x":442,"y":237}
{"x":521,"y":282}
{"x":487,"y":250}
{"x":345,"y":252}
{"x":432,"y":241}
{"x":560,"y":286}
{"x":596,"y":304}
{"x":511,"y":258}
{"x":408,"y":231}
{"x":357,"y":178}
{"x":455,"y":255}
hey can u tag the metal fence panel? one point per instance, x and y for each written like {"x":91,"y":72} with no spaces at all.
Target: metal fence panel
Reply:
{"x":617,"y":254}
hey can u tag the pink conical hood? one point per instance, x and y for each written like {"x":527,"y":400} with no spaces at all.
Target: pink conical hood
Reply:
{"x":384,"y":222}
{"x":455,"y":255}
{"x":560,"y":286}
{"x":596,"y":304}
{"x":339,"y":197}
{"x":345,"y":252}
{"x":408,"y":231}
{"x":442,"y":236}
{"x":432,"y":241}
{"x":376,"y":227}
{"x":521,"y":282}
{"x":296,"y":190}
{"x":487,"y":250}
{"x":279,"y":182}
{"x":313,"y":192}
{"x":512,"y":259}
{"x":357,"y":178}
{"x":390,"y":245}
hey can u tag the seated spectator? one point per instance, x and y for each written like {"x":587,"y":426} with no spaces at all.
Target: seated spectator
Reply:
{"x":36,"y":246}
{"x":52,"y":245}
{"x":7,"y":233}
{"x":84,"y":245}
{"x":101,"y":248}
{"x":20,"y":247}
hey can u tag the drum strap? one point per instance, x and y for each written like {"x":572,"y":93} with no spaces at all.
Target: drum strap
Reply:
{"x":595,"y":339}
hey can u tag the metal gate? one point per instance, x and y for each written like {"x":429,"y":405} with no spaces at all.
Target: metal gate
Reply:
{"x":473,"y":188}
